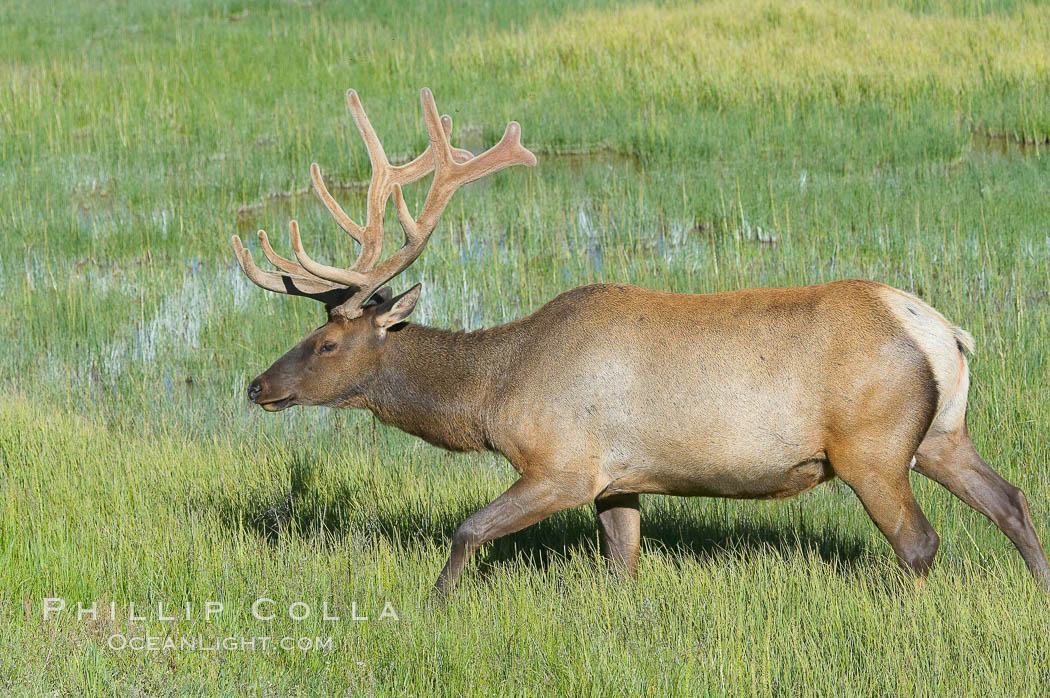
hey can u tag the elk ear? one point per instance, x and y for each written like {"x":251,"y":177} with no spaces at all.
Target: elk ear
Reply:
{"x":395,"y":310}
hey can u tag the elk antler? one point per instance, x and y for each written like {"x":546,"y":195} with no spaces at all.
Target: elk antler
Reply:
{"x":345,"y":291}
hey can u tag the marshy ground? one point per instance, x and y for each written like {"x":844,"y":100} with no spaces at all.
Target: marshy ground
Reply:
{"x":687,"y":147}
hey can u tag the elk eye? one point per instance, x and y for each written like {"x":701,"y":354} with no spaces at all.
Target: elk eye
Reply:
{"x":327,"y":347}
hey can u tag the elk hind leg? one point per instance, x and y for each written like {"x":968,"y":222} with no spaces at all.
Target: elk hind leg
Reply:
{"x":619,"y":526}
{"x":951,"y":460}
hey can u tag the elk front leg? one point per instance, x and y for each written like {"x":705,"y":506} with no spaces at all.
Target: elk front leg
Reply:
{"x":528,"y":501}
{"x":619,"y":524}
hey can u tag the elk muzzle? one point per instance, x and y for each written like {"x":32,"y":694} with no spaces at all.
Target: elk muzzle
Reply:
{"x":261,"y":393}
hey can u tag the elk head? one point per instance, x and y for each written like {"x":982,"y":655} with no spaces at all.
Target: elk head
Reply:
{"x":329,"y":366}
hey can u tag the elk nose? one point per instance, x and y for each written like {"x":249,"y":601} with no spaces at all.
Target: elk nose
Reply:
{"x":254,"y":389}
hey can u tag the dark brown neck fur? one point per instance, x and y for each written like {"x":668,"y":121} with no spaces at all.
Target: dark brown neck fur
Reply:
{"x":438,"y":384}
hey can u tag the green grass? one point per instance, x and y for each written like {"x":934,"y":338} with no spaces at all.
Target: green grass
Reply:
{"x":135,"y":139}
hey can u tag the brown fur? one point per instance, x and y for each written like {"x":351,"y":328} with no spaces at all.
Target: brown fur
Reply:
{"x":611,"y":391}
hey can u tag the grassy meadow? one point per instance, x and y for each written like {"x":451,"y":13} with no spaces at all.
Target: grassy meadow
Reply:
{"x":687,"y":147}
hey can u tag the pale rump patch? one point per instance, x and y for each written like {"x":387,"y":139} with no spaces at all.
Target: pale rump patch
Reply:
{"x":940,"y":342}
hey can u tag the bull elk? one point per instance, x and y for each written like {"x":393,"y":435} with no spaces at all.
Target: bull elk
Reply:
{"x":610,"y":391}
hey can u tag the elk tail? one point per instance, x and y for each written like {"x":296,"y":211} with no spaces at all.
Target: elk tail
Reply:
{"x":964,"y":340}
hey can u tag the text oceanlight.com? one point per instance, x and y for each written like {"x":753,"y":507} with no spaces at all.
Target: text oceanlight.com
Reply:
{"x":231,"y":643}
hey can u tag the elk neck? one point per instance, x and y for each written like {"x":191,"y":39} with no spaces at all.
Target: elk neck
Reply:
{"x":439,"y":384}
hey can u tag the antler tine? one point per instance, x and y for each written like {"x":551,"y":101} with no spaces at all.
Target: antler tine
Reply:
{"x":345,"y":277}
{"x":435,"y":131}
{"x":449,"y":175}
{"x":370,"y":239}
{"x":376,"y":154}
{"x":423,"y":165}
{"x":350,"y":288}
{"x":290,"y":284}
{"x":282,"y":263}
{"x":410,"y":172}
{"x":345,"y":222}
{"x":384,"y":176}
